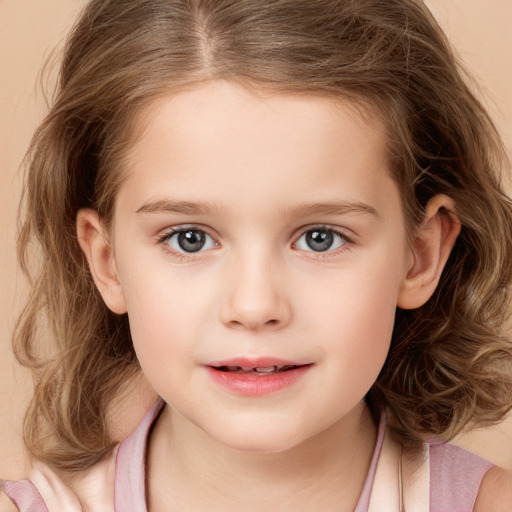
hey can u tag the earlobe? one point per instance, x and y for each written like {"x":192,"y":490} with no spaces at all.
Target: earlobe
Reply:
{"x":433,"y":242}
{"x":93,"y":240}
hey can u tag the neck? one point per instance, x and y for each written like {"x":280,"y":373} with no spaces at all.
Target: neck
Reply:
{"x":183,"y":459}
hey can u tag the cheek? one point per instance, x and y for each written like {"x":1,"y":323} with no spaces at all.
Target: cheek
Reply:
{"x":360,"y":300}
{"x":357,"y":318}
{"x":163,"y":334}
{"x":165,"y":312}
{"x":364,"y":329}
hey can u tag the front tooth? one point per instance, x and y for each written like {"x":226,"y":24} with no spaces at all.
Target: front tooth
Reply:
{"x":266,"y":369}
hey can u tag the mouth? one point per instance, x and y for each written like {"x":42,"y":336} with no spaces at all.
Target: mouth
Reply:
{"x":257,"y":377}
{"x":257,"y":370}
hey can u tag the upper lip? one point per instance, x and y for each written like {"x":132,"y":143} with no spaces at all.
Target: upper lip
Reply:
{"x":256,"y":362}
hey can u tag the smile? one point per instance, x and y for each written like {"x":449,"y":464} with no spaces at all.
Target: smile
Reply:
{"x":265,"y":370}
{"x":256,"y":378}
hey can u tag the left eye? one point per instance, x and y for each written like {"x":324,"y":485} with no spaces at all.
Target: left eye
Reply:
{"x":190,"y":241}
{"x":320,"y":240}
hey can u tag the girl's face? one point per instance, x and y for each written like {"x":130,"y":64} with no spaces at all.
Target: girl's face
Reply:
{"x":263,"y":232}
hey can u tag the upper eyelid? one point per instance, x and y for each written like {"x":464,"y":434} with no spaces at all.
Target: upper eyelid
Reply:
{"x":167,"y":232}
{"x":344,"y":232}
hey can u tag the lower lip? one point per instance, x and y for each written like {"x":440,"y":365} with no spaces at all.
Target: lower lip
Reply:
{"x":257,"y":385}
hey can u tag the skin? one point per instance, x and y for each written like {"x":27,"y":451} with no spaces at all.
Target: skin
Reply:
{"x":495,"y":491}
{"x":262,"y":171}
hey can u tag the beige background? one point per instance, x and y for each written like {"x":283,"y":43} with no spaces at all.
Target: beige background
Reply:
{"x":29,"y":29}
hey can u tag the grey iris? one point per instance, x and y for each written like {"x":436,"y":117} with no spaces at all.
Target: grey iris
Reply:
{"x":319,"y":240}
{"x":191,"y":240}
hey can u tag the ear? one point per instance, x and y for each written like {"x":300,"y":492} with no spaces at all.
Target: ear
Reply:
{"x":432,"y":244}
{"x":94,"y":241}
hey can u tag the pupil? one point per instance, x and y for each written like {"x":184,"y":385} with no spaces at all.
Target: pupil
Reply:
{"x":191,"y":241}
{"x":319,"y":240}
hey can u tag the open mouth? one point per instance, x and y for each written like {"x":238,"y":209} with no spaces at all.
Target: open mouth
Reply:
{"x":258,"y":370}
{"x":257,"y":378}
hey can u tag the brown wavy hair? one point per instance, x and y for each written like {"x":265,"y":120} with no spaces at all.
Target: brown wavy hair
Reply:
{"x":449,"y":365}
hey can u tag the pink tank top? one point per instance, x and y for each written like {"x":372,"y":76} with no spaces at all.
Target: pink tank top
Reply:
{"x":455,"y":476}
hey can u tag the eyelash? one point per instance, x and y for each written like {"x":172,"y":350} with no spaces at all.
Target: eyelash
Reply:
{"x":182,"y":256}
{"x":346,"y":246}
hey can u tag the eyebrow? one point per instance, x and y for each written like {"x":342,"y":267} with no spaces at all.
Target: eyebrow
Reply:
{"x":171,"y":206}
{"x":304,"y":210}
{"x":332,"y":208}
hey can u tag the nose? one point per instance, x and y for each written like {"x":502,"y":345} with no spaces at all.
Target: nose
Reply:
{"x":256,"y":296}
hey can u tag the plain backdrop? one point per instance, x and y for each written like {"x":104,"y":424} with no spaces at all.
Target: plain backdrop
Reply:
{"x":481,"y":30}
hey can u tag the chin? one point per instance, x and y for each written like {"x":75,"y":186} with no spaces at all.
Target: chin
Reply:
{"x":258,"y":440}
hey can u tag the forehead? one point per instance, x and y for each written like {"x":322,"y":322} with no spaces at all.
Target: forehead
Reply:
{"x":221,"y":101}
{"x":226,"y":142}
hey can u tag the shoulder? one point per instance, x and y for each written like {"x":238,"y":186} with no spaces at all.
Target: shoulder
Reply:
{"x":447,"y":460}
{"x":495,"y":492}
{"x":455,"y":477}
{"x":6,"y":505}
{"x":46,"y":490}
{"x":20,"y":495}
{"x":90,"y":489}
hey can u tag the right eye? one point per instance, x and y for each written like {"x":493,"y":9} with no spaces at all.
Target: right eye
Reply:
{"x":189,"y":240}
{"x":321,"y":239}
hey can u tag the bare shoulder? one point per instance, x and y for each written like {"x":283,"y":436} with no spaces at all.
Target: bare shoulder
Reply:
{"x":495,"y":492}
{"x":6,"y":505}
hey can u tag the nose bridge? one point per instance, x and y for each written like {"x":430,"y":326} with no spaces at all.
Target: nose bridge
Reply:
{"x":256,"y":297}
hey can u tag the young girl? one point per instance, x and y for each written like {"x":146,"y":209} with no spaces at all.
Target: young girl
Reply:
{"x":286,"y":215}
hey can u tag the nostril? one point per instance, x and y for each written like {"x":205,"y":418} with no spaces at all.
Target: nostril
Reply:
{"x":254,"y":315}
